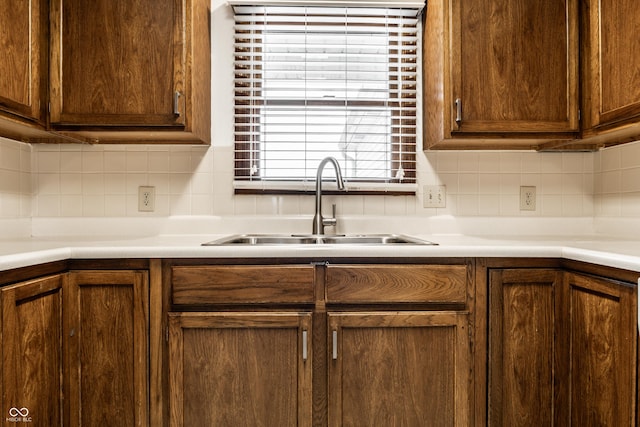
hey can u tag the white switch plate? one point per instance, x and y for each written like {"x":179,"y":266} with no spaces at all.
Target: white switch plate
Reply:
{"x":527,"y":198}
{"x":146,"y":198}
{"x":435,"y":196}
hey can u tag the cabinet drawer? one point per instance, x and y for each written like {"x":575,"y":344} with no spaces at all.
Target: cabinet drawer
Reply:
{"x":242,"y":284}
{"x":396,"y":284}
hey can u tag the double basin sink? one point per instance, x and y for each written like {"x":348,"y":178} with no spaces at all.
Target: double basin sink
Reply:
{"x":311,"y":239}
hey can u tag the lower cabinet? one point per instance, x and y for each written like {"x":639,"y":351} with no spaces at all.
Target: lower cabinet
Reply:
{"x":399,"y":369}
{"x":32,"y":343}
{"x":240,"y":369}
{"x":75,"y":349}
{"x":318,"y":345}
{"x":562,"y":349}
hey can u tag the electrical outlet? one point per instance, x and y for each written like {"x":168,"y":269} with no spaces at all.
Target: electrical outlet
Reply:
{"x":146,"y":199}
{"x":435,"y":196}
{"x":527,"y":198}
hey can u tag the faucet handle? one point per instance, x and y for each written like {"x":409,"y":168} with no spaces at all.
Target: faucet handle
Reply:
{"x":331,"y":222}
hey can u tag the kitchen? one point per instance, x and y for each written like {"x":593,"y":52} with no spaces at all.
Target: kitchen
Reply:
{"x":79,"y":200}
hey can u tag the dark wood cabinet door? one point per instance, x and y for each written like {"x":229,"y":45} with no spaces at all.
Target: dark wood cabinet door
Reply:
{"x":399,"y":369}
{"x":514,"y":66}
{"x":32,"y":352}
{"x":611,"y":62}
{"x":602,"y":337}
{"x":500,"y":74}
{"x":23,"y":68}
{"x":240,"y":369}
{"x":117,"y":63}
{"x":524,"y":312}
{"x":106,"y":353}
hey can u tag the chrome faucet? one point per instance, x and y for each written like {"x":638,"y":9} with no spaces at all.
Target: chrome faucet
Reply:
{"x":318,"y":221}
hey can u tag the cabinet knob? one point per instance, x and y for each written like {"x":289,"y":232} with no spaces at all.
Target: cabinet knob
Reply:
{"x":458,"y":104}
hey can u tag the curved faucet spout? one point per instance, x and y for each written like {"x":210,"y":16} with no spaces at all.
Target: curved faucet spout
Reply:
{"x":318,"y":221}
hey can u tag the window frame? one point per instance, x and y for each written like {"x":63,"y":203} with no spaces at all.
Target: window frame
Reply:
{"x":247,"y":146}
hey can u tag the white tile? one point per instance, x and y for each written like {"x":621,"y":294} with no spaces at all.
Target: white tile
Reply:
{"x":468,"y":183}
{"x":47,"y":183}
{"x":47,"y":205}
{"x":551,"y":205}
{"x":572,"y":205}
{"x":93,"y":185}
{"x":611,"y":159}
{"x":489,"y":204}
{"x":71,"y":161}
{"x":93,"y":161}
{"x":158,"y":161}
{"x":531,"y":162}
{"x":510,"y":162}
{"x":115,"y":184}
{"x":630,"y":155}
{"x":47,"y":161}
{"x":180,"y":162}
{"x":489,"y":183}
{"x":468,"y":162}
{"x":115,"y":205}
{"x":115,"y":161}
{"x":71,"y":205}
{"x":467,"y":205}
{"x":137,"y":161}
{"x":70,"y":183}
{"x":630,"y":180}
{"x":447,"y":161}
{"x":93,"y":205}
{"x":572,"y":162}
{"x":611,"y":181}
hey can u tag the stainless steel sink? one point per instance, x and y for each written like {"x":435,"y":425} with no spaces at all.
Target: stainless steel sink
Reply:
{"x":354,"y":239}
{"x":264,"y":239}
{"x":374,"y":239}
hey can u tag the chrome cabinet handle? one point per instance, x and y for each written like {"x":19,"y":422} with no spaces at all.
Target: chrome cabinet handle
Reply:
{"x":335,"y":345}
{"x":305,"y":348}
{"x":176,"y":103}
{"x":458,"y":104}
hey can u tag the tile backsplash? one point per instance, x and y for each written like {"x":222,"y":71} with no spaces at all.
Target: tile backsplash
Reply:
{"x":16,"y":190}
{"x":103,"y":181}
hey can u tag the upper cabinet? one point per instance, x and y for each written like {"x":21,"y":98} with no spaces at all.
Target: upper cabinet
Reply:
{"x":500,"y":73}
{"x":610,"y":70}
{"x":23,"y":69}
{"x":104,"y":71}
{"x":134,"y":71}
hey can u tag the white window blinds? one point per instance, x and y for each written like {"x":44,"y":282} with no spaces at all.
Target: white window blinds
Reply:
{"x":312,"y":82}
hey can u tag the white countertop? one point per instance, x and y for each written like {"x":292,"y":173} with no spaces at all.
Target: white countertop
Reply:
{"x":618,"y":253}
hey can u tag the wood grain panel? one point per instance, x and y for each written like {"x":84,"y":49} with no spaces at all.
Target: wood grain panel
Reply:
{"x":396,"y":283}
{"x":106,"y":321}
{"x":524,"y":316}
{"x":23,"y":69}
{"x":242,"y":284}
{"x":32,"y":350}
{"x":404,"y":369}
{"x":237,"y":369}
{"x":603,"y":341}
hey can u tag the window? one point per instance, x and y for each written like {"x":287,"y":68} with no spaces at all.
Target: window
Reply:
{"x":312,"y":82}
